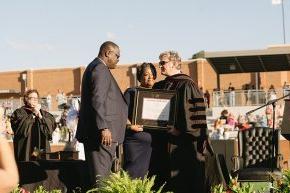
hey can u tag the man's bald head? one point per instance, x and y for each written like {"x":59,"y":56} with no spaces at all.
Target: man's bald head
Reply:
{"x":107,"y":46}
{"x":109,"y":53}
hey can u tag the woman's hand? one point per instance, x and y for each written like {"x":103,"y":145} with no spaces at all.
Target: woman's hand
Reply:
{"x":173,"y":131}
{"x":36,"y":111}
{"x":136,"y":128}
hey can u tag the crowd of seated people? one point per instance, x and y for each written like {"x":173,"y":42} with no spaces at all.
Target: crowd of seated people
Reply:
{"x":228,"y":122}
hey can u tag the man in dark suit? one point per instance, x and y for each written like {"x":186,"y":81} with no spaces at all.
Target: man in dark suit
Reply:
{"x":103,"y":112}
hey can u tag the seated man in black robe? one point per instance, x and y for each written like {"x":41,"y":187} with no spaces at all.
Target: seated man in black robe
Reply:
{"x":188,"y":138}
{"x":32,"y":128}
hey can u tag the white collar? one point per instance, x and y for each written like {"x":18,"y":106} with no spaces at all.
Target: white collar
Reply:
{"x":102,"y":61}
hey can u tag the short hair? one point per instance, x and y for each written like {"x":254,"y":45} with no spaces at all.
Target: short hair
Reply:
{"x":172,"y":56}
{"x":107,"y":46}
{"x":224,"y":112}
{"x":27,"y":93}
{"x":141,"y":70}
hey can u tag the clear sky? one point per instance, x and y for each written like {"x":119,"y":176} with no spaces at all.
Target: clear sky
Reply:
{"x":67,"y":33}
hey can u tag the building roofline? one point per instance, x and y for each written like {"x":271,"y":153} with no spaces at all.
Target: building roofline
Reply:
{"x":270,"y":50}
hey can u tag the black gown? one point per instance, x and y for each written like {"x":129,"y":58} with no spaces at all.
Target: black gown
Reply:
{"x":30,"y":132}
{"x":137,"y":145}
{"x":186,"y":173}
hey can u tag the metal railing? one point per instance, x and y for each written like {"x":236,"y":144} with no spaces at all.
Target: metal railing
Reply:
{"x":54,"y":105}
{"x":245,"y":97}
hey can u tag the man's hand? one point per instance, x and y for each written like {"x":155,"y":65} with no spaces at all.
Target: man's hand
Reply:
{"x":136,"y":128}
{"x":106,"y":137}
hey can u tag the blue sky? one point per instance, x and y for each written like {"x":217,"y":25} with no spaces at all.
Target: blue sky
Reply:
{"x":67,"y":33}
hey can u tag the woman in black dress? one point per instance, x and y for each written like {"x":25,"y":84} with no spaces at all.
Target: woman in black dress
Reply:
{"x":137,"y":144}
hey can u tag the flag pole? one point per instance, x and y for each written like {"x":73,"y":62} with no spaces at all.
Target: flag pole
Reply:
{"x":283,"y":21}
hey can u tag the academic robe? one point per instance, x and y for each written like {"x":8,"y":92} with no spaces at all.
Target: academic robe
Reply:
{"x":186,"y":151}
{"x":30,"y":132}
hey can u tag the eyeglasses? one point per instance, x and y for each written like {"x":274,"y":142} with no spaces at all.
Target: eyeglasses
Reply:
{"x":162,"y":63}
{"x":117,"y":55}
{"x":33,"y":98}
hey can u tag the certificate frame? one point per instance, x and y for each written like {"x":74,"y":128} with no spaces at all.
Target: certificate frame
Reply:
{"x":141,"y":97}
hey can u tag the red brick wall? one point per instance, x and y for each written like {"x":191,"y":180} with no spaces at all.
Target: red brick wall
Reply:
{"x":69,"y":79}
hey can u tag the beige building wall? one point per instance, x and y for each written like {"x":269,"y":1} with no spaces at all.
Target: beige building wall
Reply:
{"x":49,"y":81}
{"x":206,"y":76}
{"x":10,"y":80}
{"x":123,"y":76}
{"x":237,"y":80}
{"x":275,"y":78}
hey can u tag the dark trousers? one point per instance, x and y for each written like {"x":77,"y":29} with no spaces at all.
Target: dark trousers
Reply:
{"x":99,"y":161}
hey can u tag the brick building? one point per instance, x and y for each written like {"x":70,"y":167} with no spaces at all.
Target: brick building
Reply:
{"x":68,"y":80}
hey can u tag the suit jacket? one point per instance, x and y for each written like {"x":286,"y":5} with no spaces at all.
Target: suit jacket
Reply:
{"x":102,"y":106}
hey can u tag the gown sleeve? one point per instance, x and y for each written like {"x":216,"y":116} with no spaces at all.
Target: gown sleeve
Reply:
{"x":192,"y":107}
{"x":21,"y":123}
{"x":47,"y":124}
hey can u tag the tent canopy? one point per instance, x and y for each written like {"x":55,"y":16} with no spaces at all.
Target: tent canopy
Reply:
{"x":268,"y":60}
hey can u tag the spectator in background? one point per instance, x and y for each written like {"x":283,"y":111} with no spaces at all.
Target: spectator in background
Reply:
{"x":231,"y":87}
{"x":64,"y":98}
{"x":48,"y":102}
{"x":222,"y":98}
{"x":201,"y":89}
{"x":232,"y":95}
{"x":262,"y":95}
{"x":251,"y":95}
{"x":243,"y":122}
{"x":224,"y":115}
{"x":272,"y":94}
{"x":63,"y":117}
{"x":285,"y":85}
{"x":286,"y":90}
{"x":231,"y":120}
{"x":2,"y":121}
{"x":70,"y":99}
{"x":246,"y":93}
{"x":60,"y":99}
{"x":8,"y":170}
{"x":216,"y":96}
{"x":207,"y":98}
{"x":32,"y":128}
{"x":5,"y":126}
{"x":71,"y":122}
{"x":261,"y":121}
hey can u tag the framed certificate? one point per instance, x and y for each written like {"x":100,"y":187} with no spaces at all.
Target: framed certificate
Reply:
{"x":154,"y":108}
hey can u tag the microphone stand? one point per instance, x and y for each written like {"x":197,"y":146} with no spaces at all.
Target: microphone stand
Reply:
{"x":273,"y":103}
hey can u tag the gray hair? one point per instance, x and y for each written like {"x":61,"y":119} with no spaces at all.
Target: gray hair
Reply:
{"x":172,"y":56}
